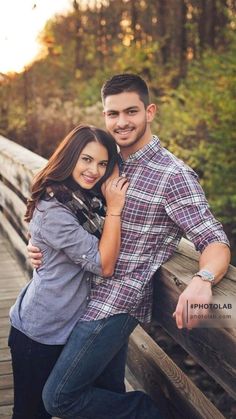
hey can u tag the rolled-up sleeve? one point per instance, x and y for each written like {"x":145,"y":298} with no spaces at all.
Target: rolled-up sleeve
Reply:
{"x":62,"y":231}
{"x":187,"y":206}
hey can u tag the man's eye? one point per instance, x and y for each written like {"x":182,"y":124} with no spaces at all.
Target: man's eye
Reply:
{"x":132,"y":112}
{"x":112,"y":115}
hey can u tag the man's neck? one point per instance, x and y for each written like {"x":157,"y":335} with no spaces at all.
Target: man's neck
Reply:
{"x":126,"y":152}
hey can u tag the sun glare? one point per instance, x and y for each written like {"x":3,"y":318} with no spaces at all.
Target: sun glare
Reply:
{"x":20,"y":23}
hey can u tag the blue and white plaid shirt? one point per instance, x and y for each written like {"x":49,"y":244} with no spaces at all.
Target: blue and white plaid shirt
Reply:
{"x":164,"y":201}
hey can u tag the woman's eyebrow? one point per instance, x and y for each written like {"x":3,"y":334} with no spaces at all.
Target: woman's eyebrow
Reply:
{"x":87,"y":155}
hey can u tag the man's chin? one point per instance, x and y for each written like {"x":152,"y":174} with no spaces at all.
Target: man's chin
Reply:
{"x":125,"y":141}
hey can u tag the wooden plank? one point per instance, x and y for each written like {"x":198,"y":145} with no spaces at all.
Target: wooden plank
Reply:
{"x":18,"y":245}
{"x":6,"y":303}
{"x":4,"y":312}
{"x":6,"y":381}
{"x":212,"y":348}
{"x":186,"y":248}
{"x":3,"y":342}
{"x":18,"y":165}
{"x":156,"y":370}
{"x":6,"y":396}
{"x":6,"y":412}
{"x":6,"y":368}
{"x":4,"y":331}
{"x":5,"y":354}
{"x":13,"y":205}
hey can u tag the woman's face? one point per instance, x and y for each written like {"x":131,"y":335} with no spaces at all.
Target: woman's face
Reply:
{"x":91,"y":165}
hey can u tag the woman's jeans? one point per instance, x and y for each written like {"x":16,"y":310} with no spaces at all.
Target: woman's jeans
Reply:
{"x":32,"y":363}
{"x":87,"y":381}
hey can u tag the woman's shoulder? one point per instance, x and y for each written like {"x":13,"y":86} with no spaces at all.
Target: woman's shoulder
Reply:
{"x":51,"y":204}
{"x":47,"y":209}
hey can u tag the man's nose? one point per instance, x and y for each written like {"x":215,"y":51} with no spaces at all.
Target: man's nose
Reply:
{"x":122,"y":120}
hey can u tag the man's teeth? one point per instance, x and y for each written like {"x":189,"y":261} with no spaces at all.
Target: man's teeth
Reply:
{"x":124,"y":131}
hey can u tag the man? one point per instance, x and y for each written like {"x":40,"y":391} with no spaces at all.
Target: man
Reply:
{"x":164,"y":201}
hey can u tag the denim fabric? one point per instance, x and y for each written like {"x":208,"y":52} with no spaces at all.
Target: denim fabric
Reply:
{"x":54,"y":300}
{"x":32,"y":363}
{"x":72,"y":390}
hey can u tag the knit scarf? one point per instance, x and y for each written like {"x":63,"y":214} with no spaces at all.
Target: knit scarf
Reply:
{"x":87,"y":206}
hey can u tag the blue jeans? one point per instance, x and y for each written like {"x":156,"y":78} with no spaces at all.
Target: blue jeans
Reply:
{"x":32,"y":363}
{"x":94,"y":347}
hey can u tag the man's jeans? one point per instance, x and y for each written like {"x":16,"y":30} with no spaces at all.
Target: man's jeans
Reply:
{"x":82,"y":385}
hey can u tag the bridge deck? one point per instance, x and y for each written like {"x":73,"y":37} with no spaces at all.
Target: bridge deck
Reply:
{"x":12,"y":279}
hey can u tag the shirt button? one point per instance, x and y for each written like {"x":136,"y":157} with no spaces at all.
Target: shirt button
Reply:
{"x":84,"y":256}
{"x":87,"y":298}
{"x":87,"y":279}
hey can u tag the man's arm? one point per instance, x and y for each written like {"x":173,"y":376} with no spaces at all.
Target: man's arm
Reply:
{"x":187,"y":206}
{"x":215,"y":258}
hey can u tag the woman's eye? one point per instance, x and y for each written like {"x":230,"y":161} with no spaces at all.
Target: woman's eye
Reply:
{"x":87,"y":159}
{"x":103,"y":164}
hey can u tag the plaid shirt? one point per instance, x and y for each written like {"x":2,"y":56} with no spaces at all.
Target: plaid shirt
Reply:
{"x":163,"y":202}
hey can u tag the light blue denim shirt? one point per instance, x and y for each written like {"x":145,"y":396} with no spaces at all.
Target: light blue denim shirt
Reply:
{"x":50,"y":305}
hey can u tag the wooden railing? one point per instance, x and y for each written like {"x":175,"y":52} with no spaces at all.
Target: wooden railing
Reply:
{"x":155,"y":372}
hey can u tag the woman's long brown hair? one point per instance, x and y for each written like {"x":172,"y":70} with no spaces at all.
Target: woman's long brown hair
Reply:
{"x":62,"y":163}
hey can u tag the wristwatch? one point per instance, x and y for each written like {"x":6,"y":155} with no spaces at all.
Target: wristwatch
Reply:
{"x":206,"y":276}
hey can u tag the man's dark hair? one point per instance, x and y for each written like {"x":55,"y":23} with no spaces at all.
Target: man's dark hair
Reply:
{"x":126,"y":82}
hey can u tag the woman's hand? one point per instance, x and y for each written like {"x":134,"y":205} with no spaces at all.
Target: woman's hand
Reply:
{"x":114,"y":191}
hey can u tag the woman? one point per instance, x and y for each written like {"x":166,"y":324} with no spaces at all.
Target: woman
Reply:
{"x":66,"y":217}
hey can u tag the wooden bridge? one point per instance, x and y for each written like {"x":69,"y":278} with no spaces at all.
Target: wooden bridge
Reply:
{"x":148,"y":366}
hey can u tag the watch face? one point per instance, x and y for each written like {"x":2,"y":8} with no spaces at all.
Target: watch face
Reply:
{"x":206,"y":275}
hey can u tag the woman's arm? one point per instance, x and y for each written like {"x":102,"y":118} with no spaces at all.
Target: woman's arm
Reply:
{"x":114,"y":191}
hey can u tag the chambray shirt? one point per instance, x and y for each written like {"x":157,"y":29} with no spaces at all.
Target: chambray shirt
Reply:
{"x":52,"y":302}
{"x":164,"y":201}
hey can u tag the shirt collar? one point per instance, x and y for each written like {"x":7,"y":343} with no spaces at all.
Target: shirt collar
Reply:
{"x":145,"y":153}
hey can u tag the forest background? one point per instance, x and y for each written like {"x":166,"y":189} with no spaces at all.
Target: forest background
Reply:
{"x":185,"y":50}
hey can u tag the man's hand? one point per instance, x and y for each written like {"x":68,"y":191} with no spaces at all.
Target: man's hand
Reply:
{"x":35,"y":256}
{"x":197,"y":292}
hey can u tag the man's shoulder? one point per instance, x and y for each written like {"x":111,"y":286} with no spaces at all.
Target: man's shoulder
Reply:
{"x":168,"y":163}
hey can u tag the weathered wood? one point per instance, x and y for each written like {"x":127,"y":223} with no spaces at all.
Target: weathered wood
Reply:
{"x":212,"y":348}
{"x":6,"y":381}
{"x":156,"y":370}
{"x":14,"y":209}
{"x":6,"y":412}
{"x":5,"y":354}
{"x":18,"y":165}
{"x":6,"y":396}
{"x":3,"y":342}
{"x":6,"y":368}
{"x":17,"y":243}
{"x":186,"y":248}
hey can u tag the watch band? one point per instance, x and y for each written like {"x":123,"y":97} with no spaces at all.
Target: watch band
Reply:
{"x":205,"y":275}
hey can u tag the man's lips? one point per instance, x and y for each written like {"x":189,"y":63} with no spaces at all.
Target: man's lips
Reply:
{"x":123,"y":132}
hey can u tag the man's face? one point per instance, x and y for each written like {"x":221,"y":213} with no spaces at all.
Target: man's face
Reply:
{"x":127,"y":120}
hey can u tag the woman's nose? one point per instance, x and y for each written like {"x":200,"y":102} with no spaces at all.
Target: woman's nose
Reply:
{"x":94,"y":169}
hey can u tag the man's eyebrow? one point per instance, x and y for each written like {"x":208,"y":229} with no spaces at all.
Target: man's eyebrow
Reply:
{"x":123,"y":110}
